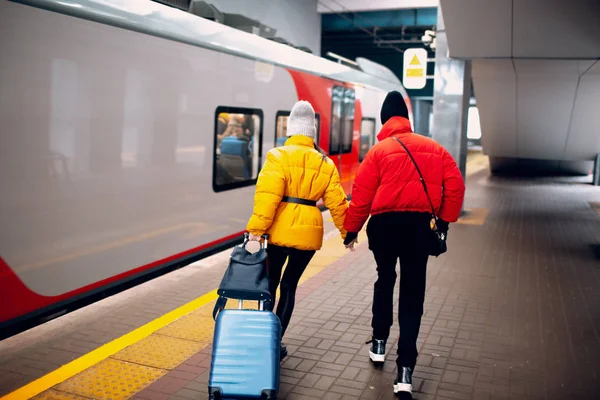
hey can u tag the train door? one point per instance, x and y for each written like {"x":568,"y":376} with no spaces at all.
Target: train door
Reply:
{"x":341,"y":132}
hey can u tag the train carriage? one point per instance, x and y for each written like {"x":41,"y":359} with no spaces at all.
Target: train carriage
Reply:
{"x":132,"y":137}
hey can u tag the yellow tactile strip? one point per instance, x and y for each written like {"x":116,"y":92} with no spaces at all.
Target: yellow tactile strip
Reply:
{"x":476,"y":162}
{"x":197,"y":326}
{"x":159,"y":351}
{"x":128,"y":371}
{"x":595,"y":207}
{"x":111,"y":380}
{"x":474,"y":216}
{"x":58,"y":395}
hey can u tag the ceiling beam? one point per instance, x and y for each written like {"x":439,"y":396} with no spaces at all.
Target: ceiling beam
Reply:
{"x":349,"y":34}
{"x":413,"y":39}
{"x":381,"y":19}
{"x":329,"y":6}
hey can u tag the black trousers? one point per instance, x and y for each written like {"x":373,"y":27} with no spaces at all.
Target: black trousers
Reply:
{"x":393,"y":237}
{"x":297,"y":262}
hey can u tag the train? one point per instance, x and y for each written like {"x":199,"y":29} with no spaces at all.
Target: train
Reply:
{"x":132,"y":137}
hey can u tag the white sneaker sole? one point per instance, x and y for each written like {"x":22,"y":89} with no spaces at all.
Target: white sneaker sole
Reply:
{"x":376,"y":357}
{"x":402,"y":387}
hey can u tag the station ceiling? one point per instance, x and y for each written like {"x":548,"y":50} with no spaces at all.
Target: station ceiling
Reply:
{"x":381,"y":36}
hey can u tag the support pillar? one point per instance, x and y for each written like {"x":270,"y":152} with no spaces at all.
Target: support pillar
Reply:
{"x":421,"y":111}
{"x":451,"y":97}
{"x":596,"y":176}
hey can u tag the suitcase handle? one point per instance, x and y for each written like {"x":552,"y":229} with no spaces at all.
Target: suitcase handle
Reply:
{"x":222,"y":301}
{"x":261,"y":304}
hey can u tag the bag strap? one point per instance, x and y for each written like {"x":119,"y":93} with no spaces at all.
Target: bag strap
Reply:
{"x":420,"y":175}
{"x":320,"y":150}
{"x":219,"y":306}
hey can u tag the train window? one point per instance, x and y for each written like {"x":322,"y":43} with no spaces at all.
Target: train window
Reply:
{"x":367,"y":137}
{"x":237,"y":147}
{"x":348,"y":124}
{"x":337,"y":95}
{"x":281,"y":120}
{"x":342,"y":120}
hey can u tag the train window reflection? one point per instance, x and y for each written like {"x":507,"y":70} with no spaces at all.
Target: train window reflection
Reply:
{"x":367,"y":137}
{"x":337,"y":95}
{"x":238,"y":147}
{"x":342,"y":120}
{"x":281,"y":121}
{"x":348,"y":124}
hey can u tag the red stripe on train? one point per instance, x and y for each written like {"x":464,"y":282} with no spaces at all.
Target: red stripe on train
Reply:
{"x":318,"y":91}
{"x":16,"y":299}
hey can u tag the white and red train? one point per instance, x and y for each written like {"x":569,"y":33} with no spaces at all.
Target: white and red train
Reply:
{"x":112,"y":165}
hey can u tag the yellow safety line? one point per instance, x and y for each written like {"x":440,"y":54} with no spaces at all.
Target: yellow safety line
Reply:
{"x":87,"y":360}
{"x":475,"y":163}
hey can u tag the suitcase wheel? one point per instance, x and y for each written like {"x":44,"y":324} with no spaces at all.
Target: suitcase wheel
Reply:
{"x":214,"y":393}
{"x":268,"y":395}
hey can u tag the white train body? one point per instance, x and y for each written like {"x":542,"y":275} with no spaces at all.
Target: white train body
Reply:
{"x":107,"y":147}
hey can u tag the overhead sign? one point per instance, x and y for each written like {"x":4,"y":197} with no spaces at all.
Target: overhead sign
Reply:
{"x":415,"y":69}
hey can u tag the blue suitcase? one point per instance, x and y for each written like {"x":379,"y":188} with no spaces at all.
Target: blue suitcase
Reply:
{"x":246,"y":344}
{"x":245,"y":356}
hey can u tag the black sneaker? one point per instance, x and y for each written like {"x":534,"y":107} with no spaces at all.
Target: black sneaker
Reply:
{"x":377,"y":351}
{"x":282,"y":352}
{"x":403,"y":383}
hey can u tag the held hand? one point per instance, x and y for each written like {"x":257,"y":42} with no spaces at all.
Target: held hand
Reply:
{"x":350,"y":246}
{"x":254,"y":238}
{"x":351,"y":240}
{"x":350,"y":237}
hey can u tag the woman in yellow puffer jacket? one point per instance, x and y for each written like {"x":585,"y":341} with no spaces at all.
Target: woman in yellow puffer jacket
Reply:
{"x":294,"y":177}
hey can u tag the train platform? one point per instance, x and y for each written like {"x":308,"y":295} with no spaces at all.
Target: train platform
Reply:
{"x":511,"y":312}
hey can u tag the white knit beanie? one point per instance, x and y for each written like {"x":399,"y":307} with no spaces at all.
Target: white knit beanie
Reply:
{"x":302,"y":120}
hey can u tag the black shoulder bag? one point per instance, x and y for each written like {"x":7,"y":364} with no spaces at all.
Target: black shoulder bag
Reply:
{"x":436,"y":242}
{"x":246,"y":277}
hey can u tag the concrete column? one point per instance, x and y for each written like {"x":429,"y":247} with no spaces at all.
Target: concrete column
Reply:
{"x":421,"y":111}
{"x":596,"y":176}
{"x":451,"y":95}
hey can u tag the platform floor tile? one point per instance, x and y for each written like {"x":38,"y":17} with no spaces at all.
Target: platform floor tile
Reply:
{"x":58,"y":395}
{"x":159,"y":351}
{"x":111,"y":380}
{"x":474,"y":216}
{"x":197,"y":326}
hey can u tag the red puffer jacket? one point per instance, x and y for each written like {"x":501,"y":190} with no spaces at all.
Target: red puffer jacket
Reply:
{"x":387,"y":180}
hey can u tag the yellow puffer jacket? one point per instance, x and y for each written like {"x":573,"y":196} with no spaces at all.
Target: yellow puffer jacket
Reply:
{"x":297,"y":170}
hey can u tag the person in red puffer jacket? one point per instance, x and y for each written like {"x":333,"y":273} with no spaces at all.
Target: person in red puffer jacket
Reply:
{"x":388,"y":187}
